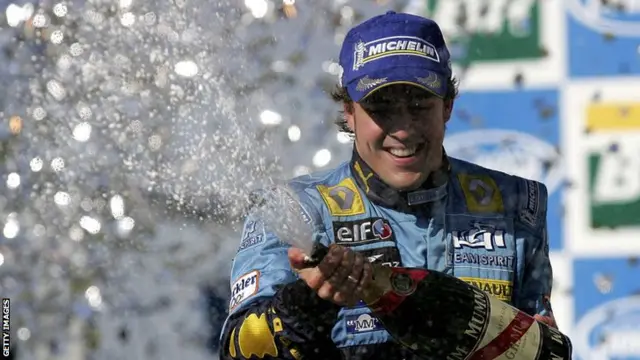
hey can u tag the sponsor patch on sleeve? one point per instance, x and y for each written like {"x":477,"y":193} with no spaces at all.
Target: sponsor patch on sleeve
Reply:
{"x":342,"y":199}
{"x":530,"y":212}
{"x":253,"y":234}
{"x":245,"y":287}
{"x":260,"y":343}
{"x":481,"y":193}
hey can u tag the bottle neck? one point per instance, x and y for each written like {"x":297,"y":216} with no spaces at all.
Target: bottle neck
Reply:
{"x":391,"y":286}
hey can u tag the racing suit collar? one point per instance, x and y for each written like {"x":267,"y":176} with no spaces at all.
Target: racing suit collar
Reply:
{"x":433,"y":189}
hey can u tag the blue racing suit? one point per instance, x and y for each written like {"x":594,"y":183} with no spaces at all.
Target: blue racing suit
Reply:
{"x":485,"y":227}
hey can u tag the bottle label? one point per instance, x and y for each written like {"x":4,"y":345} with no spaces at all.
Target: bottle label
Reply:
{"x":461,"y":321}
{"x":513,"y":334}
{"x":442,"y":316}
{"x":510,"y":333}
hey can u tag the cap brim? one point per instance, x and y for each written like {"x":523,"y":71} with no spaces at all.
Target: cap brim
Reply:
{"x":430,"y":81}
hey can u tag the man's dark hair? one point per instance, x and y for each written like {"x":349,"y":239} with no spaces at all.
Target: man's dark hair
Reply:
{"x":340,"y":95}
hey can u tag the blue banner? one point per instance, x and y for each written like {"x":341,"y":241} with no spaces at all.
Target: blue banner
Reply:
{"x":603,"y":37}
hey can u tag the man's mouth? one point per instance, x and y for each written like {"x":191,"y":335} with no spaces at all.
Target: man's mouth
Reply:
{"x":405,"y":152}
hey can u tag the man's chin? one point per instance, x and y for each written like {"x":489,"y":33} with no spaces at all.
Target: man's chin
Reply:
{"x":404,"y":181}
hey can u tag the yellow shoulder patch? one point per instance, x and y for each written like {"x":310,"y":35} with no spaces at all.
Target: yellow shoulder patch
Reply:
{"x":482,"y":193}
{"x":255,"y":337}
{"x":343,"y":199}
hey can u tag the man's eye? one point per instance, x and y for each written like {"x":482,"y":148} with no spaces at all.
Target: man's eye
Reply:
{"x":381,"y":110}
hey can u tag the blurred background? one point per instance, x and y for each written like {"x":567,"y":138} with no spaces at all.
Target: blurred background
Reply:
{"x":132,"y":130}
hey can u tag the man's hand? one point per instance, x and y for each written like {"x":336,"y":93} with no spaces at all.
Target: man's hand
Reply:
{"x":340,"y":276}
{"x":549,"y":320}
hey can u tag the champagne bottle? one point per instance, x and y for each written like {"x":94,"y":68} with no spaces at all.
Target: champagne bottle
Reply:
{"x":440,"y":316}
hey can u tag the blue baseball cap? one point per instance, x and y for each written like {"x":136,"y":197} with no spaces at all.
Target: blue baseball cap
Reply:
{"x":394,"y":48}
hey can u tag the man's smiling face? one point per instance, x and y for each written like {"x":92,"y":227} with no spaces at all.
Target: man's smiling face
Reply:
{"x":399,"y":131}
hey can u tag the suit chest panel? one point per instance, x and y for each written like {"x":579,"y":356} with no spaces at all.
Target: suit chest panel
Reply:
{"x":464,"y":245}
{"x":480,"y":250}
{"x":483,"y":251}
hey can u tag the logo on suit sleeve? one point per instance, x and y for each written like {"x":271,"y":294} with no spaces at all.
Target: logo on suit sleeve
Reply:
{"x":529,"y":214}
{"x":342,"y":199}
{"x":481,"y":193}
{"x":252,"y":235}
{"x":245,"y":287}
{"x":254,"y":338}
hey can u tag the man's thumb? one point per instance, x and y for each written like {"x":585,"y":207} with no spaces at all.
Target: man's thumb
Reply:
{"x":297,"y":258}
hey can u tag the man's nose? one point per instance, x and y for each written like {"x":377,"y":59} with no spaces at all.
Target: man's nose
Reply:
{"x":405,"y":122}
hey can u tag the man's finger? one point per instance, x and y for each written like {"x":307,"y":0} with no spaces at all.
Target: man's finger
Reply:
{"x":342,"y":299}
{"x":353,"y":278}
{"x":331,"y":261}
{"x":313,"y":277}
{"x":339,"y":276}
{"x":366,"y":278}
{"x":326,"y":291}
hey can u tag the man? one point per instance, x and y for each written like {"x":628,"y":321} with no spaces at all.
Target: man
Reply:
{"x":400,"y":201}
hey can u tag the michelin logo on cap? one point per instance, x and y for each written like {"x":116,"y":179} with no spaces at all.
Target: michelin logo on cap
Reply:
{"x":392,"y":46}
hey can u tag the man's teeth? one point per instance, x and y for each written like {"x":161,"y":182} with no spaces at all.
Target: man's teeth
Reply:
{"x":403,"y":152}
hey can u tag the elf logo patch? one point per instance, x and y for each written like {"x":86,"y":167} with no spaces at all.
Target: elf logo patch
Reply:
{"x":364,"y":231}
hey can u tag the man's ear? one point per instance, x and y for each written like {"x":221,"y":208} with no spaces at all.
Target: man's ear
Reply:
{"x":448,"y":109}
{"x":348,"y":110}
